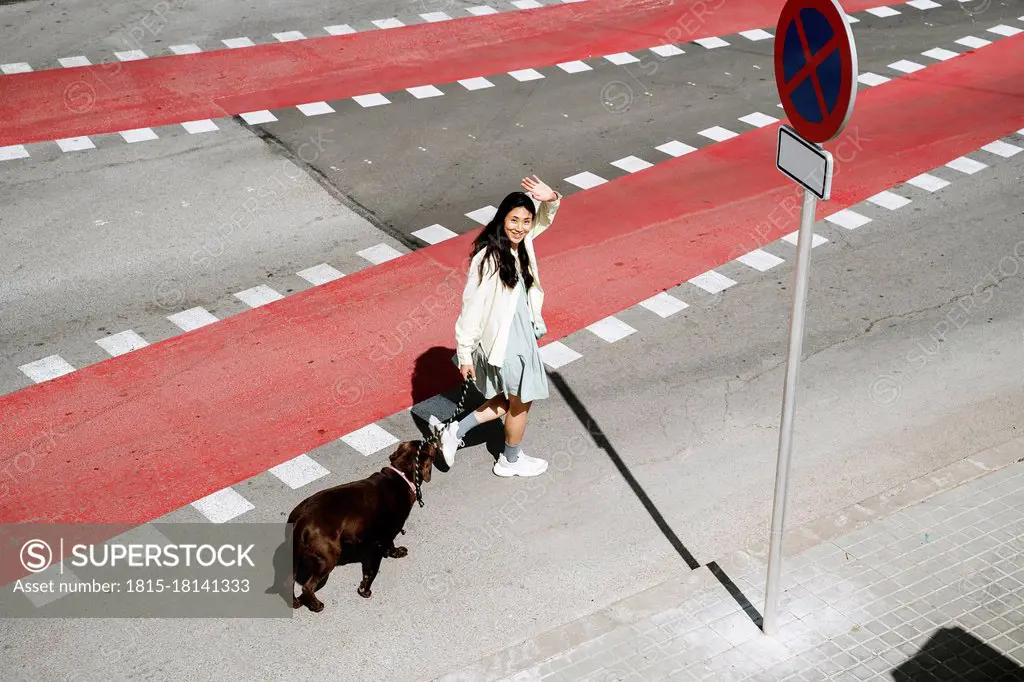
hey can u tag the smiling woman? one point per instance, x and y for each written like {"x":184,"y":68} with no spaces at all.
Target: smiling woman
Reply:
{"x":500,"y":323}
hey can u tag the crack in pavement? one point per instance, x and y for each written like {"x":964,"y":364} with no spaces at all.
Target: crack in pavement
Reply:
{"x":872,"y":325}
{"x":934,"y":307}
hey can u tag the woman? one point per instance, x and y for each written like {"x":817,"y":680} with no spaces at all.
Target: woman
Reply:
{"x":499,"y":325}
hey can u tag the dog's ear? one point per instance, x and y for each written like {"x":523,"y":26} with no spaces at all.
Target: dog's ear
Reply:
{"x":404,"y":451}
{"x":427,"y":461}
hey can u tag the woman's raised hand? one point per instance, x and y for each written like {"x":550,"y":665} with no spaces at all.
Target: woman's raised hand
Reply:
{"x":538,"y":190}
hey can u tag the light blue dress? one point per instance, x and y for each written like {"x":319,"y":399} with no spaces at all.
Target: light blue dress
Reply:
{"x":522,"y":374}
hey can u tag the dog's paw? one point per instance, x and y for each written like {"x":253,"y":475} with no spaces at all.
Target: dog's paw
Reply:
{"x":317,"y":606}
{"x":364,"y":592}
{"x":296,"y":603}
{"x":398,"y":552}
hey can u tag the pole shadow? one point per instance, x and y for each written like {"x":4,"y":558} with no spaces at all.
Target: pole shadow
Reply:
{"x":585,"y":418}
{"x":955,"y":654}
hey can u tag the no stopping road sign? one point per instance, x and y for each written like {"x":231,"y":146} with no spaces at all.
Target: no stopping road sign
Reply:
{"x":815,"y":67}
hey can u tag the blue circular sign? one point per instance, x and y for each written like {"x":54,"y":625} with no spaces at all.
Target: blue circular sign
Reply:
{"x":815,"y":67}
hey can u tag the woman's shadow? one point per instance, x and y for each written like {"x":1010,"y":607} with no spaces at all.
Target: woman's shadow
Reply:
{"x":436,"y":389}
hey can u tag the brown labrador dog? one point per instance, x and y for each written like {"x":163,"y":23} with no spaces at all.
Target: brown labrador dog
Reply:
{"x":356,"y":521}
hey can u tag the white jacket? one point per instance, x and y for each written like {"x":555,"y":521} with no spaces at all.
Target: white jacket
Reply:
{"x":488,"y":306}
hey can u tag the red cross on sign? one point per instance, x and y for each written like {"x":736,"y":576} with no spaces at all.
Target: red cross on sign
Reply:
{"x":815,"y":67}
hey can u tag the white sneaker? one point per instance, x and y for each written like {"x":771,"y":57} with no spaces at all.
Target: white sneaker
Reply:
{"x":523,"y":466}
{"x":449,"y":442}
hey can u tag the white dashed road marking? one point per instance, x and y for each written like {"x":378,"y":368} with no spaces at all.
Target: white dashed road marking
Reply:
{"x":966,"y":165}
{"x":434,"y":234}
{"x":906,"y":66}
{"x":223,"y":505}
{"x":760,"y":260}
{"x":424,"y":91}
{"x":75,"y":144}
{"x":320,"y":274}
{"x":477,"y":83}
{"x":1004,"y":30}
{"x":711,"y":43}
{"x":675,"y":148}
{"x":667,"y":50}
{"x":610,"y":329}
{"x":258,"y":295}
{"x":1002,"y":149}
{"x":882,"y":11}
{"x":928,"y":182}
{"x":664,"y":304}
{"x":848,"y":219}
{"x":712,"y":282}
{"x":483,"y":215}
{"x":298,"y":472}
{"x":523,"y":75}
{"x":632,"y":164}
{"x":974,"y":43}
{"x":131,"y":55}
{"x":758,"y":119}
{"x":379,"y":254}
{"x":204,"y":126}
{"x":756,"y":34}
{"x":193,"y":318}
{"x":621,"y":58}
{"x":139,"y":135}
{"x":257,"y":117}
{"x":50,"y":367}
{"x":369,"y":439}
{"x":575,"y":67}
{"x":940,"y":53}
{"x":586,"y":180}
{"x":557,"y":354}
{"x":889,"y":200}
{"x":316,"y":108}
{"x":235,"y":43}
{"x":374,"y":100}
{"x":793,"y":238}
{"x":13,"y":152}
{"x":121,"y":343}
{"x":718,"y":133}
{"x":869,"y":78}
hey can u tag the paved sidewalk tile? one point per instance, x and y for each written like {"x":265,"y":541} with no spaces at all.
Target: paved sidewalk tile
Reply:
{"x":931,"y":592}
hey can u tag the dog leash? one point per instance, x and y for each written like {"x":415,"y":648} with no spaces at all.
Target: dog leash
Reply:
{"x":436,"y":437}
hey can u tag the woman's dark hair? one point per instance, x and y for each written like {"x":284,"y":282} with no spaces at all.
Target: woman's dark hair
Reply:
{"x":496,"y":242}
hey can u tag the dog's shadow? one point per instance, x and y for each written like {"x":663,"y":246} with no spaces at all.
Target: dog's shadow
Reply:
{"x":282,"y":585}
{"x":435,"y":376}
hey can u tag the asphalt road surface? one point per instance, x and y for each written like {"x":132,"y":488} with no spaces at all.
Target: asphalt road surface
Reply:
{"x":662,"y":441}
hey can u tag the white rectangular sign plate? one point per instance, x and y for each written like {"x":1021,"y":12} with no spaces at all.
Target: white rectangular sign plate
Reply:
{"x":804,"y":163}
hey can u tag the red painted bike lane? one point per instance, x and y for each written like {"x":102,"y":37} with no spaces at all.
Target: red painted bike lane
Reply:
{"x":137,"y":436}
{"x":110,"y":98}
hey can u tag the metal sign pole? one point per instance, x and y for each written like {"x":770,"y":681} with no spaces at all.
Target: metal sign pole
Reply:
{"x":796,"y":338}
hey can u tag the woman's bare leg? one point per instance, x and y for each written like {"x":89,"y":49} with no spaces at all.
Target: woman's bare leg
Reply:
{"x":512,"y":461}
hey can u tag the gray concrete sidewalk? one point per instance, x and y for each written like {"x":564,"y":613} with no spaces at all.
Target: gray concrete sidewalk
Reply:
{"x":928,"y":584}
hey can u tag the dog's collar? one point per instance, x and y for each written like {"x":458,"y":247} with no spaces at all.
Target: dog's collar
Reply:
{"x":404,"y":478}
